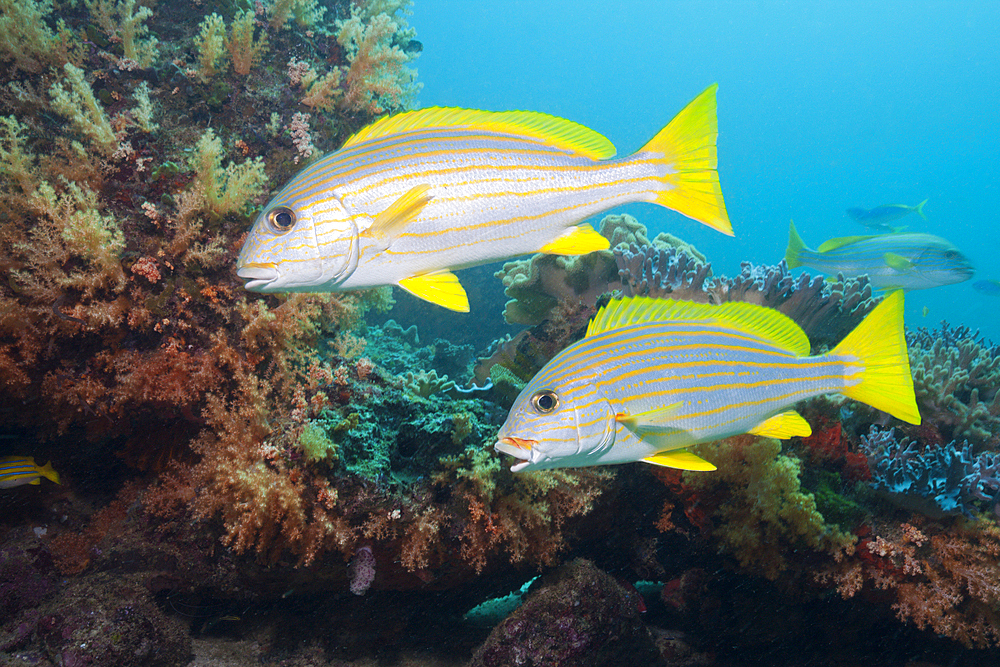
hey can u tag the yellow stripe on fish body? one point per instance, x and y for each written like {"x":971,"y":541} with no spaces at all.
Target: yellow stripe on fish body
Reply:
{"x":414,"y":196}
{"x":20,"y":470}
{"x":653,"y":377}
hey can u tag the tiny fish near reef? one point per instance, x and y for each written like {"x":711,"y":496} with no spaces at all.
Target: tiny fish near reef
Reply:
{"x":891,"y":261}
{"x":653,"y":377}
{"x":20,"y":470}
{"x":413,"y":196}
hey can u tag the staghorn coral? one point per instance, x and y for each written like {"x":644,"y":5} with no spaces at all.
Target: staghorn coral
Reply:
{"x":956,"y":377}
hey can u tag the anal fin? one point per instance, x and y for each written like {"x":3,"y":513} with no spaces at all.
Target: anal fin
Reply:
{"x":441,"y":288}
{"x":681,"y":459}
{"x":578,"y":240}
{"x":783,"y":426}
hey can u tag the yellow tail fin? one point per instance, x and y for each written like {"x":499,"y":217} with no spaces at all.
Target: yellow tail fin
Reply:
{"x":687,"y":145}
{"x":879,"y":344}
{"x":47,"y":471}
{"x":795,"y":247}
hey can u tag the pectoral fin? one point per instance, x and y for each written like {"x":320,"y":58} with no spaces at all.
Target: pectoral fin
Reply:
{"x":440,"y":288}
{"x":681,"y":459}
{"x":390,"y":223}
{"x":783,"y":426}
{"x":897,"y":262}
{"x":651,"y":422}
{"x":578,"y":240}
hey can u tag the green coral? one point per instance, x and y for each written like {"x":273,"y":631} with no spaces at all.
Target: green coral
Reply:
{"x":835,"y":507}
{"x":762,"y":514}
{"x":74,"y":99}
{"x":315,"y":445}
{"x":230,"y":189}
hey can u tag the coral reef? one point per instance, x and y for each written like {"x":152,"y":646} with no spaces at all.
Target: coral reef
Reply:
{"x":756,"y":507}
{"x":223,"y":450}
{"x":935,"y":482}
{"x":577,"y":616}
{"x":956,"y":376}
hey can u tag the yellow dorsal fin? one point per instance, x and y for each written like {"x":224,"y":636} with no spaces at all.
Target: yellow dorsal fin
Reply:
{"x":578,"y":240}
{"x":441,"y":288}
{"x":552,"y":130}
{"x":681,"y":459}
{"x":658,"y":419}
{"x":840,"y":242}
{"x":783,"y":426}
{"x":392,"y":220}
{"x":897,"y":262}
{"x":766,"y":323}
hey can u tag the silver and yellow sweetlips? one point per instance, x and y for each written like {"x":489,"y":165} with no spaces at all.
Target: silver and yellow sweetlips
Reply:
{"x":652,"y":377}
{"x":413,"y":196}
{"x":891,"y":261}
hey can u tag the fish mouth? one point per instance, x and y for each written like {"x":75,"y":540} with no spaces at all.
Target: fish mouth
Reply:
{"x":257,"y":275}
{"x":519,"y":448}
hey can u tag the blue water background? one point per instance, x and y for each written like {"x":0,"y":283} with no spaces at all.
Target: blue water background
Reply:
{"x":822,"y":106}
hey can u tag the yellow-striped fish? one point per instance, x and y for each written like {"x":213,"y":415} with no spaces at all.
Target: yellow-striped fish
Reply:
{"x":413,"y":196}
{"x":20,"y":470}
{"x":652,"y":377}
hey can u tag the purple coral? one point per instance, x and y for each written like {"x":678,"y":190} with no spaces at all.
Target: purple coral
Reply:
{"x":660,"y":272}
{"x":938,"y":481}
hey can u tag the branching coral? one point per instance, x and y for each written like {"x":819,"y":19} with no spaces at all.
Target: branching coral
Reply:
{"x":374,"y":43}
{"x":944,"y":578}
{"x":27,"y":40}
{"x":759,"y":511}
{"x":956,"y":378}
{"x":75,"y":99}
{"x":938,"y":481}
{"x":225,"y":190}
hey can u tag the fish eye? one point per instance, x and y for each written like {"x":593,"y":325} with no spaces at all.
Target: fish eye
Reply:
{"x":951,"y":254}
{"x":281,"y":219}
{"x":545,"y":401}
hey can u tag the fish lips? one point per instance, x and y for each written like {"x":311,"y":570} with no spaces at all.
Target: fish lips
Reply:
{"x":519,"y":448}
{"x":258,"y":276}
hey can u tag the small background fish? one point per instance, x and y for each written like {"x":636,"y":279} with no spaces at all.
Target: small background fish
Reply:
{"x":880,"y":216}
{"x":891,"y":261}
{"x":991,"y":287}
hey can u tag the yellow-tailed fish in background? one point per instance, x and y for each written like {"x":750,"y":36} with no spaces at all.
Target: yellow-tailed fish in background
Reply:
{"x":891,"y":261}
{"x":413,"y":196}
{"x":20,"y":470}
{"x":652,"y":377}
